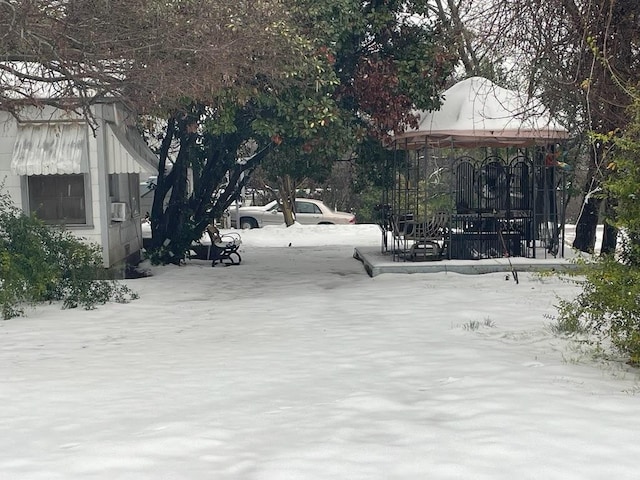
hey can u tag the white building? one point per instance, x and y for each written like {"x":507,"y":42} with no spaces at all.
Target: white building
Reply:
{"x":55,"y":164}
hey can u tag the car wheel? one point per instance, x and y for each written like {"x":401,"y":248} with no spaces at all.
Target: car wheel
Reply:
{"x":247,"y":223}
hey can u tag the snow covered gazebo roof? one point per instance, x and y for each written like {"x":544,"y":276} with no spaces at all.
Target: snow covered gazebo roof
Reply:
{"x":478,"y":113}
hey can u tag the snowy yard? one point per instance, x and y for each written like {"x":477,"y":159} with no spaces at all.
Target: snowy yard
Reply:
{"x":296,"y":365}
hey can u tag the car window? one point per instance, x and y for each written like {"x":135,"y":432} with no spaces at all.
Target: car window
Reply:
{"x":307,"y":207}
{"x":275,"y":207}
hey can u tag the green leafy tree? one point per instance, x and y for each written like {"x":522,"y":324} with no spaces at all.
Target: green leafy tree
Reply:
{"x":389,"y":57}
{"x":349,"y":53}
{"x":221,"y":139}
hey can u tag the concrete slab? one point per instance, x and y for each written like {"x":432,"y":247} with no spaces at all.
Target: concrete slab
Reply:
{"x":375,"y":263}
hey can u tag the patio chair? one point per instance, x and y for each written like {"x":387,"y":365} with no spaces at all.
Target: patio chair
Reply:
{"x":428,"y":239}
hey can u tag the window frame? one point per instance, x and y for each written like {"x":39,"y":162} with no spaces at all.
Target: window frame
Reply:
{"x":314,"y":207}
{"x":31,"y":198}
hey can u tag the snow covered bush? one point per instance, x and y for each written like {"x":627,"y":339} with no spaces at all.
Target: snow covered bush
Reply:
{"x":39,"y":263}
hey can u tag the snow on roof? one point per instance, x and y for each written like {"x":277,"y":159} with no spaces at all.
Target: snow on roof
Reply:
{"x":476,"y":112}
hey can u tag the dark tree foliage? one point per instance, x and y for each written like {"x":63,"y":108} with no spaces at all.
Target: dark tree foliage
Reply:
{"x":213,"y":159}
{"x":389,"y":58}
{"x":390,"y":63}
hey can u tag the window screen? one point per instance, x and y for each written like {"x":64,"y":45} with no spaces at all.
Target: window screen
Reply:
{"x":58,"y":198}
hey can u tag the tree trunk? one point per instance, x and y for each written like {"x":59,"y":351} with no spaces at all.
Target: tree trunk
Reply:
{"x":585,"y":240}
{"x":171,"y":224}
{"x":610,"y":234}
{"x":586,"y":227}
{"x":287,"y":199}
{"x":217,"y":180}
{"x":163,"y":185}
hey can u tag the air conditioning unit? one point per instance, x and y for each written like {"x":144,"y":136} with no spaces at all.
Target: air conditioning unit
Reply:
{"x":118,"y":212}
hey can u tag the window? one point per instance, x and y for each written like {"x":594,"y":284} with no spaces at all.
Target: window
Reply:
{"x":125,"y":188}
{"x":58,"y":198}
{"x":276,"y":207}
{"x":134,"y":193}
{"x":307,"y":207}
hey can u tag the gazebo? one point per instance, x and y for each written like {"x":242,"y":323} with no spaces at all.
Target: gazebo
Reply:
{"x":481,"y":177}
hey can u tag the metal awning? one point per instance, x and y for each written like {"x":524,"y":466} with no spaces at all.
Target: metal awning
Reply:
{"x":127,"y":152}
{"x":50,"y":148}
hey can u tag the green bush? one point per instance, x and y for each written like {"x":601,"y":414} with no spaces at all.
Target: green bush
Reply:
{"x":609,"y":304}
{"x":39,"y":263}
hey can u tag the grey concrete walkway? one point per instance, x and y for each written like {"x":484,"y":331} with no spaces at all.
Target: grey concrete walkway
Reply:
{"x":375,"y":262}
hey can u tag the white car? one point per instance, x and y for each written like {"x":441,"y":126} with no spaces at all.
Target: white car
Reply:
{"x":308,"y":212}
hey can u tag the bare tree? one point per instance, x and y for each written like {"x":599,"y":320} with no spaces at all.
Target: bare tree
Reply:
{"x":150,"y":54}
{"x":577,"y":55}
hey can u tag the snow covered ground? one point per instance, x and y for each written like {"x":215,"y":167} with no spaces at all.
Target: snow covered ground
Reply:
{"x":296,"y":365}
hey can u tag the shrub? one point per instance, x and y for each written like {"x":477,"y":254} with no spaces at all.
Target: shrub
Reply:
{"x":39,"y":263}
{"x":609,"y":304}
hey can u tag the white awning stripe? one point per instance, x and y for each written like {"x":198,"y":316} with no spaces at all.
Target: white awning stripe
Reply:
{"x":50,"y":148}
